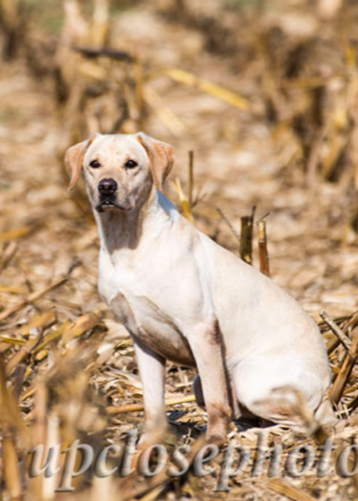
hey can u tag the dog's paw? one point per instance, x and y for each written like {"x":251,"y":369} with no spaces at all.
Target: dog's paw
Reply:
{"x":153,"y":436}
{"x":216,"y":439}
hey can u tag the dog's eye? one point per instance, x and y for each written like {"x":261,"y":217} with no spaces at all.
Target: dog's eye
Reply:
{"x":131,"y":164}
{"x":95,"y":164}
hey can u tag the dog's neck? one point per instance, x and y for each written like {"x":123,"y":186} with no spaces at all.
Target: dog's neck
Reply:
{"x":119,"y":230}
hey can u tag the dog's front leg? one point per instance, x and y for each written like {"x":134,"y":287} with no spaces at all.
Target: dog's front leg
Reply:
{"x":152,"y":372}
{"x":206,"y":344}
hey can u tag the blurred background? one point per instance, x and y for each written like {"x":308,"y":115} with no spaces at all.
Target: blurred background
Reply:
{"x":263,"y":93}
{"x":259,"y":99}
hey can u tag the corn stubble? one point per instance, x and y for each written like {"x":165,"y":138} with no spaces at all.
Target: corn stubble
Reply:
{"x":67,"y":371}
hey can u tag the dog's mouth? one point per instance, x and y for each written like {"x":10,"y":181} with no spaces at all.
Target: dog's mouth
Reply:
{"x":108,"y":204}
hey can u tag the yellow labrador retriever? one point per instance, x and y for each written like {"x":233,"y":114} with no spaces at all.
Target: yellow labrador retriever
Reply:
{"x":184,"y":298}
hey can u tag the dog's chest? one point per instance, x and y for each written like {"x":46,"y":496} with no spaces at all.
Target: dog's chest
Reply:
{"x":149,"y":324}
{"x":131,"y":297}
{"x":126,"y":279}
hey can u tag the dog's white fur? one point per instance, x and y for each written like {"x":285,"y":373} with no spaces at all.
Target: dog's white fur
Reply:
{"x":184,"y":298}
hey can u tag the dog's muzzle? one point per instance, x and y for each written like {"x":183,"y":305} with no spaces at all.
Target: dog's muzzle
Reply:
{"x":107,"y":189}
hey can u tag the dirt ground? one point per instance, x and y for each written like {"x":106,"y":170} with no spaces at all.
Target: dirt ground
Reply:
{"x":242,"y":159}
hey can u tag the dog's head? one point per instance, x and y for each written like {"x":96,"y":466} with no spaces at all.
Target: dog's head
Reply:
{"x":119,"y":169}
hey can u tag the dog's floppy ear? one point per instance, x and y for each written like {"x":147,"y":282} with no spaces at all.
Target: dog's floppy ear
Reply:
{"x":161,"y":156}
{"x":74,"y":158}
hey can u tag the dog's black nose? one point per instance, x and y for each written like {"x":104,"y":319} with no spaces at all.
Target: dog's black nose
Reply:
{"x":107,"y":187}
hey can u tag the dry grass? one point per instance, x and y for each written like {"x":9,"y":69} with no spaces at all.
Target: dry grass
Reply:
{"x":270,"y":116}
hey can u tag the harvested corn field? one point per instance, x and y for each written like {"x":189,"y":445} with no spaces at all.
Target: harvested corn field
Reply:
{"x":259,"y":102}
